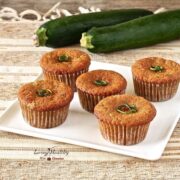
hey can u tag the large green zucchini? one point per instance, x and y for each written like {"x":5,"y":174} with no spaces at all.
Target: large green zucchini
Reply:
{"x":136,"y":33}
{"x":67,"y":30}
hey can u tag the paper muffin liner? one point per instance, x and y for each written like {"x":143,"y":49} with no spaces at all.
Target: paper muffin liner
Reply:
{"x":155,"y":91}
{"x":123,"y":135}
{"x":89,"y":101}
{"x":67,"y":78}
{"x":44,"y":119}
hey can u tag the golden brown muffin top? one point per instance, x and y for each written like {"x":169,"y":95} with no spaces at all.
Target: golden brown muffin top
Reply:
{"x":115,"y":110}
{"x":65,"y":60}
{"x":45,"y":95}
{"x":101,"y":82}
{"x":157,"y":70}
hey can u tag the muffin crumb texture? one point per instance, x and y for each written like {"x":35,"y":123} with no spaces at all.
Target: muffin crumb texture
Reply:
{"x":76,"y":61}
{"x":45,"y":103}
{"x":156,"y":79}
{"x":124,"y":128}
{"x":115,"y":82}
{"x":61,"y":95}
{"x":98,"y":84}
{"x":65,"y":65}
{"x":141,"y":69}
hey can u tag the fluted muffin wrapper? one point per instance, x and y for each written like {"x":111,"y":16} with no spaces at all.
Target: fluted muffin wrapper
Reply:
{"x":155,"y":91}
{"x":89,"y":101}
{"x":67,"y":78}
{"x":122,"y":134}
{"x":44,"y":119}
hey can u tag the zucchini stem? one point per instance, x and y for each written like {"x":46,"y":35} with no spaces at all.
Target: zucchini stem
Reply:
{"x":86,"y":41}
{"x":35,"y":40}
{"x":41,"y":37}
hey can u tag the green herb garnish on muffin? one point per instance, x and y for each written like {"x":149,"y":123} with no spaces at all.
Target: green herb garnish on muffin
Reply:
{"x":126,"y":109}
{"x":101,"y":83}
{"x":63,"y":58}
{"x":43,"y":92}
{"x":156,"y":68}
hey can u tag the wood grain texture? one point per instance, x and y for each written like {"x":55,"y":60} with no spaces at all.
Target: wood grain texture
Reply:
{"x":16,"y":151}
{"x":92,"y":170}
{"x":72,"y":5}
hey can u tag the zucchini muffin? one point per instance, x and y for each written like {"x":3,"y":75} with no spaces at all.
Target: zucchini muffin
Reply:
{"x":45,"y":103}
{"x":124,"y":119}
{"x":65,"y":65}
{"x":156,"y":79}
{"x":98,"y":84}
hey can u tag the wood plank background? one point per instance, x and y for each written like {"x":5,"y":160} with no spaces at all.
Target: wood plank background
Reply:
{"x":44,"y":5}
{"x":19,"y":62}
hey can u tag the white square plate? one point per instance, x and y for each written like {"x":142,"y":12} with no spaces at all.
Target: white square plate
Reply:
{"x":81,"y":127}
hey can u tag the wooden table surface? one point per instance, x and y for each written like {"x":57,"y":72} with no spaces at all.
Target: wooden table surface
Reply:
{"x":19,"y":63}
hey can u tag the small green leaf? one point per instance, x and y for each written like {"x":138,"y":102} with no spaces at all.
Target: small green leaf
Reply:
{"x":126,"y":109}
{"x":43,"y":92}
{"x":101,"y":83}
{"x":63,"y":58}
{"x":156,"y":68}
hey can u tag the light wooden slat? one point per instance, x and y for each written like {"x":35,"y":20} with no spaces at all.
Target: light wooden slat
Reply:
{"x":20,"y":69}
{"x":18,"y":30}
{"x":175,"y":145}
{"x":103,"y":4}
{"x":16,"y":42}
{"x":21,"y":58}
{"x":16,"y":79}
{"x":8,"y":91}
{"x":22,"y":48}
